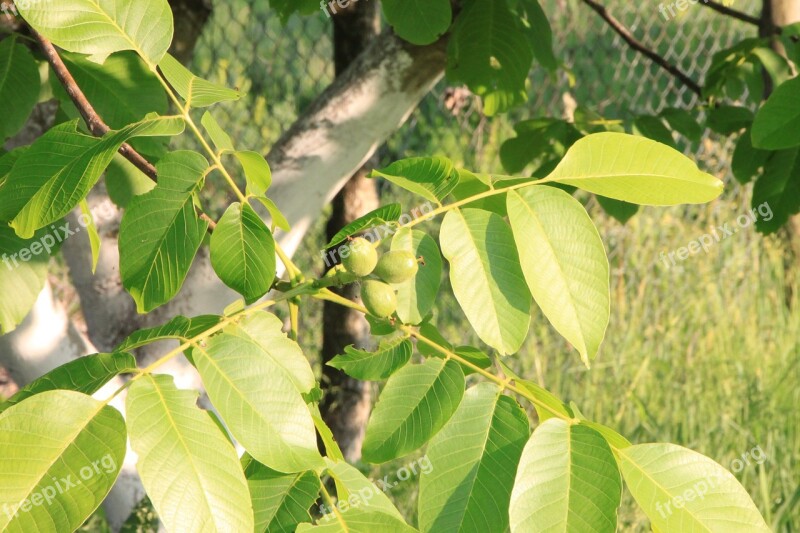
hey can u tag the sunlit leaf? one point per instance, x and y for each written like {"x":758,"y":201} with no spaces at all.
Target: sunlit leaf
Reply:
{"x":473,"y":461}
{"x":567,"y":481}
{"x":486,"y":277}
{"x":160,"y":232}
{"x":682,"y":490}
{"x":101,"y":27}
{"x":564,"y":263}
{"x":416,"y":402}
{"x":60,"y":454}
{"x":634,"y":169}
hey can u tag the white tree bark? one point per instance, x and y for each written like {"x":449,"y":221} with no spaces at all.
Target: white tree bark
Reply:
{"x":310,"y":163}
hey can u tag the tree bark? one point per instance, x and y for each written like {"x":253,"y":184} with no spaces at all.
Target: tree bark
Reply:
{"x":347,"y":401}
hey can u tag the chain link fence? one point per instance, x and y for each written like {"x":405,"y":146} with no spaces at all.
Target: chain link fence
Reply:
{"x":283,"y":68}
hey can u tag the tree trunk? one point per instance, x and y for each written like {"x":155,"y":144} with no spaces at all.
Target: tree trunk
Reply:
{"x":347,"y":401}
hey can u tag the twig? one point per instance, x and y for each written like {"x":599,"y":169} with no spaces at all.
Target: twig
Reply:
{"x":94,"y":122}
{"x":637,"y":45}
{"x":725,"y":10}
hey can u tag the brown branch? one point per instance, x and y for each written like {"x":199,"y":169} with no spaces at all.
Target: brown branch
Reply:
{"x":725,"y":10}
{"x":637,"y":45}
{"x":94,"y":122}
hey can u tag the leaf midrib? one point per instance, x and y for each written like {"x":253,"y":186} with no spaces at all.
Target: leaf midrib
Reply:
{"x":182,"y":441}
{"x":663,"y":489}
{"x":70,"y":442}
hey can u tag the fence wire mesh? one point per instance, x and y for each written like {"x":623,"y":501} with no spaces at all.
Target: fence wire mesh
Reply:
{"x":282,"y":68}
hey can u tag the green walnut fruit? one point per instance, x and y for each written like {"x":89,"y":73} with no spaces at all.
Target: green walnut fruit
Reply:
{"x":397,"y":266}
{"x":362,"y":257}
{"x":379,"y":298}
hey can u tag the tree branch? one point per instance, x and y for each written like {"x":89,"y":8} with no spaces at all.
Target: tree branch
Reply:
{"x":637,"y":45}
{"x":94,"y":122}
{"x":725,"y":10}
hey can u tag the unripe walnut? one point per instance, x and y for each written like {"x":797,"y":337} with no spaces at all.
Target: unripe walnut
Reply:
{"x":361,"y":258}
{"x":397,"y":266}
{"x":378,"y":297}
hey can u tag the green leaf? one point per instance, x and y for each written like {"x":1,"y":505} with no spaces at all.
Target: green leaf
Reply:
{"x":179,"y":328}
{"x":433,"y":178}
{"x":256,"y":171}
{"x":416,"y":296}
{"x":357,"y":520}
{"x":416,"y":402}
{"x":473,"y":460}
{"x":653,"y":128}
{"x":91,"y":230}
{"x":567,"y":481}
{"x":260,"y":405}
{"x":486,"y":277}
{"x":776,"y":65}
{"x":683,"y":122}
{"x":778,"y":189}
{"x":473,"y":355}
{"x":490,"y":52}
{"x":550,"y":406}
{"x":99,"y":28}
{"x":280,"y":502}
{"x":331,"y":447}
{"x":218,"y":136}
{"x":286,"y":8}
{"x":264,"y":335}
{"x":278,"y":219}
{"x":22,"y":272}
{"x":540,"y":35}
{"x":123,"y":90}
{"x":188,"y":467}
{"x":124,"y":181}
{"x":57,"y":172}
{"x":390,"y":356}
{"x":728,"y":119}
{"x":747,"y":161}
{"x":564,"y":263}
{"x":777,"y":123}
{"x":86,"y":374}
{"x":682,"y":490}
{"x":622,"y":211}
{"x":350,"y":482}
{"x":634,"y":169}
{"x":19,"y":86}
{"x":379,"y":217}
{"x":60,"y":454}
{"x":243,"y":252}
{"x":195,"y":91}
{"x":160,"y":232}
{"x":419,"y":22}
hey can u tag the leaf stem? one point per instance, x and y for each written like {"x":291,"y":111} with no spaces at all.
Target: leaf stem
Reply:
{"x":331,"y":296}
{"x":215,"y":156}
{"x":291,"y":268}
{"x":329,"y":500}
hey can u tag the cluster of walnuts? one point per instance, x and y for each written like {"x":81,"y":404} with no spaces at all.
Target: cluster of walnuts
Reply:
{"x":376,"y":272}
